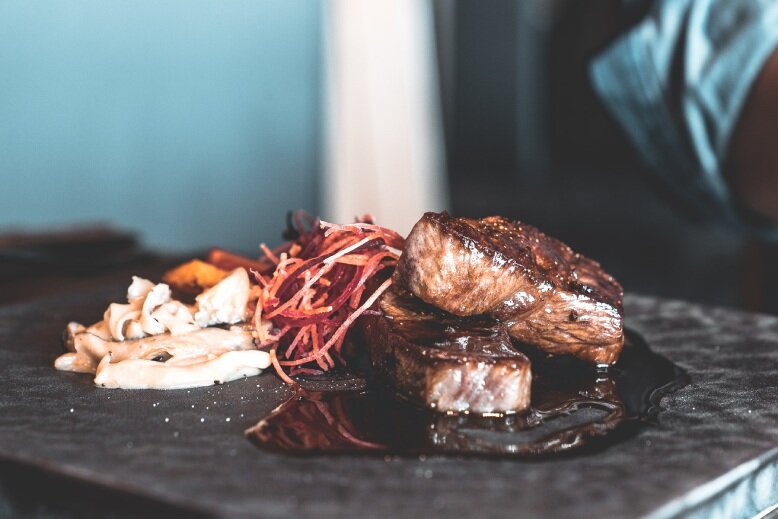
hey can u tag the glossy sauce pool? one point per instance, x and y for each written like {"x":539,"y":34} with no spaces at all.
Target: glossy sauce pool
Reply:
{"x":574,"y":406}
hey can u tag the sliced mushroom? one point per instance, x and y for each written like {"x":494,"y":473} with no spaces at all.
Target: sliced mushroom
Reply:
{"x":226,"y":302}
{"x":147,"y":374}
{"x":119,"y":317}
{"x":204,"y":343}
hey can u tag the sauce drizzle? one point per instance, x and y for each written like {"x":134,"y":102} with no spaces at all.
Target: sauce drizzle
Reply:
{"x":573,"y":406}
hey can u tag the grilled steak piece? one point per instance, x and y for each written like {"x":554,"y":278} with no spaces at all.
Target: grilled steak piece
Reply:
{"x":444,"y":362}
{"x":545,"y":294}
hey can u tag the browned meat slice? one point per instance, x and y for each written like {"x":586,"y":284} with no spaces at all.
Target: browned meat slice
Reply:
{"x":545,"y":294}
{"x":447,"y":363}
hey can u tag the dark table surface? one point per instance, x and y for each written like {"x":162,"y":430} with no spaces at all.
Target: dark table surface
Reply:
{"x":70,"y":449}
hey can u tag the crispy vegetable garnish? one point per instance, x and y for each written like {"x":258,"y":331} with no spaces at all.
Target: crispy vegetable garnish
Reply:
{"x":194,"y":276}
{"x":317,"y":286}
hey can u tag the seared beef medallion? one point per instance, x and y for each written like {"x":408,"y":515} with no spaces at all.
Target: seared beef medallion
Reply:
{"x":445,"y":362}
{"x":543,"y":292}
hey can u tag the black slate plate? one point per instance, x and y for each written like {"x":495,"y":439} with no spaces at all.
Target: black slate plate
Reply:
{"x":86,"y":451}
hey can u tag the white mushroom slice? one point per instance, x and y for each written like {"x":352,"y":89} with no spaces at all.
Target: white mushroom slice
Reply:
{"x":150,"y":311}
{"x":147,"y":374}
{"x":226,"y":302}
{"x":157,"y":296}
{"x":90,"y":349}
{"x":68,"y":337}
{"x":203,"y":341}
{"x":75,"y":363}
{"x":175,"y":317}
{"x":138,"y":289}
{"x":188,"y":361}
{"x":101,"y":330}
{"x":133,"y":329}
{"x":117,"y":317}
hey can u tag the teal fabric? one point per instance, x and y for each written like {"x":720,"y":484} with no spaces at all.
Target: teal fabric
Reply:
{"x":676,"y":83}
{"x":195,"y":122}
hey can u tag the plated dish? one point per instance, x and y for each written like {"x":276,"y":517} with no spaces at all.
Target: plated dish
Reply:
{"x":452,"y":320}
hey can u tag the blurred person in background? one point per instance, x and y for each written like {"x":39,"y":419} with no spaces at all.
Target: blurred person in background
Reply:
{"x":683,"y":91}
{"x":694,"y":85}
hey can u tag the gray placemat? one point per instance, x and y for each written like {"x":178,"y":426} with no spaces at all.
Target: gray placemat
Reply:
{"x":715,"y":449}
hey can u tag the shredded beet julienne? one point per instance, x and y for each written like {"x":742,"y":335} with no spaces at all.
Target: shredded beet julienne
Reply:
{"x":314,"y":287}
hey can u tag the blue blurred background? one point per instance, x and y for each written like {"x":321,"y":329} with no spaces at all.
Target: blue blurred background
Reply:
{"x":200,"y":123}
{"x":195,"y":122}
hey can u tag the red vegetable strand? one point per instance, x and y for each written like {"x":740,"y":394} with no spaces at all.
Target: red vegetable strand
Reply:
{"x":314,"y":287}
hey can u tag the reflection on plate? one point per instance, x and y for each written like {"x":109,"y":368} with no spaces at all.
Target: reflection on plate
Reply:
{"x":573,"y":405}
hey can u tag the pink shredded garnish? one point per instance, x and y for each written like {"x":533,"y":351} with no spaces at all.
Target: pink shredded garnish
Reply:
{"x":314,"y":288}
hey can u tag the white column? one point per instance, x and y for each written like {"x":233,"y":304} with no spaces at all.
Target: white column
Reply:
{"x":383,"y":129}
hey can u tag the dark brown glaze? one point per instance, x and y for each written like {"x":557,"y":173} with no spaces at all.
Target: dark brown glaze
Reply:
{"x":364,"y":422}
{"x":546,"y":294}
{"x":443,"y":362}
{"x":573,"y":406}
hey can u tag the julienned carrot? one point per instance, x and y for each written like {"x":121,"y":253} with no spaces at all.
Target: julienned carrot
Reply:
{"x":313,"y":288}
